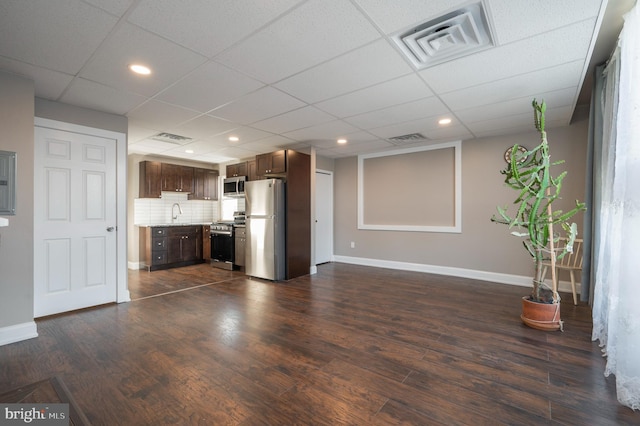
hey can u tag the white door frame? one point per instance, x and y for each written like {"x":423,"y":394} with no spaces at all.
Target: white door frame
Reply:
{"x":122,"y":285}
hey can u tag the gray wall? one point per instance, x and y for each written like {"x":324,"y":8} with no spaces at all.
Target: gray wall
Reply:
{"x":16,"y":240}
{"x":482,"y":245}
{"x":18,"y":107}
{"x":80,"y":116}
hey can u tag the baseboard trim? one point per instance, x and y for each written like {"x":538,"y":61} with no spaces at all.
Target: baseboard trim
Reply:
{"x":496,"y":277}
{"x":134,"y":265}
{"x":18,"y":332}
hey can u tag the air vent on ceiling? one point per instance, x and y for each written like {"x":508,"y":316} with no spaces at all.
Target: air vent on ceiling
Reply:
{"x":451,"y":36}
{"x":412,"y":137}
{"x":171,"y":138}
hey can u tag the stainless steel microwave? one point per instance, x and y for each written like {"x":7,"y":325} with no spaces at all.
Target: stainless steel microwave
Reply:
{"x":234,"y":186}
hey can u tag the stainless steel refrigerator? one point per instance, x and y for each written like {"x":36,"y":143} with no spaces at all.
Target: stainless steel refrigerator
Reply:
{"x":265,"y":226}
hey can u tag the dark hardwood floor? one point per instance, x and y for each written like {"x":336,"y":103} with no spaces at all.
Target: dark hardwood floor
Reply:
{"x":350,"y":345}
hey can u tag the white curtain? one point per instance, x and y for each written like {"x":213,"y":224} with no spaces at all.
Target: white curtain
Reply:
{"x":616,"y":303}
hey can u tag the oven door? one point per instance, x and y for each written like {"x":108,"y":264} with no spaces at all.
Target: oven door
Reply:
{"x":222,"y":249}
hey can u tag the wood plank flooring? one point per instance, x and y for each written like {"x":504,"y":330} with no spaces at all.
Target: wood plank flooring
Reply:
{"x":350,"y":345}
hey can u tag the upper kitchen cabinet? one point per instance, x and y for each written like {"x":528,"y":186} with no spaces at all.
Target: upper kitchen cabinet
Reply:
{"x":272,"y":163}
{"x":252,"y":170}
{"x":238,"y":169}
{"x":205,"y":184}
{"x":177,"y":178}
{"x":150,"y":179}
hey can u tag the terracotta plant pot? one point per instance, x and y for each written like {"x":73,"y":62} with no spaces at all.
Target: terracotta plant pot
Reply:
{"x":541,"y":316}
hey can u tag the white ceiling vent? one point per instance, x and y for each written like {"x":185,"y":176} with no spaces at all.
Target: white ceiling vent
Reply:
{"x":456,"y":34}
{"x":412,"y":137}
{"x":171,"y":138}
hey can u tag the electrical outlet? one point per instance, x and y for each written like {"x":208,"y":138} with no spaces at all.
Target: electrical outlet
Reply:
{"x":353,"y":244}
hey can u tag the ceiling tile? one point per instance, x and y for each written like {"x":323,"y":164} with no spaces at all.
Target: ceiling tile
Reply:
{"x":149,"y":146}
{"x":137,"y":133}
{"x":332,"y":130}
{"x":406,"y":128}
{"x":264,"y":103}
{"x":531,"y":18}
{"x":562,"y":97}
{"x":316,"y":31}
{"x":357,"y":148}
{"x":236,"y":152}
{"x":45,"y":32}
{"x":268,"y":144}
{"x":198,"y":148}
{"x":92,"y":95}
{"x":447,"y":133}
{"x":203,"y":127}
{"x":294,"y":120}
{"x":48,"y":84}
{"x":555,"y":116}
{"x":405,"y":13}
{"x":208,"y":87}
{"x":531,"y":84}
{"x":152,"y":113}
{"x":129,"y":45}
{"x":116,"y":7}
{"x":213,"y":27}
{"x":409,"y":111}
{"x":244,"y":133}
{"x":388,"y":93}
{"x":537,"y":53}
{"x":372,"y":64}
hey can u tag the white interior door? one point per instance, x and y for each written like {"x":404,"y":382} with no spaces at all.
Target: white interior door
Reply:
{"x":75,"y":220}
{"x":324,"y":217}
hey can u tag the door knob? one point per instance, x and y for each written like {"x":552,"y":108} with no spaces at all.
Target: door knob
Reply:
{"x":110,"y":229}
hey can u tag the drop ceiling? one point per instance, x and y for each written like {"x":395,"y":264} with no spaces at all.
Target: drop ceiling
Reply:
{"x":303,"y":73}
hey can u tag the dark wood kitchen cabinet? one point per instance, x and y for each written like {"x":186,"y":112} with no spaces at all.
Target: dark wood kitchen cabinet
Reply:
{"x":252,"y":171}
{"x":206,"y":243}
{"x":298,"y":214}
{"x":150,"y":179}
{"x":272,"y":163}
{"x":163,"y":247}
{"x":177,"y":178}
{"x":238,"y":169}
{"x":205,"y":184}
{"x":185,"y":244}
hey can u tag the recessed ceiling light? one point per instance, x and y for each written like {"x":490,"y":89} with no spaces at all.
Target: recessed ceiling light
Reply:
{"x":234,"y":138}
{"x":444,"y":121}
{"x":140,"y":69}
{"x":342,"y":141}
{"x":188,"y":151}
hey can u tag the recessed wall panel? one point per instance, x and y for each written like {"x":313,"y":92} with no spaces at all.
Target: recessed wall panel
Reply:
{"x":413,"y":189}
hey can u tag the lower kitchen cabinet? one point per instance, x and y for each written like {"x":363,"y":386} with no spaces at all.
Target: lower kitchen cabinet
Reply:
{"x":185,"y":244}
{"x":164,"y":247}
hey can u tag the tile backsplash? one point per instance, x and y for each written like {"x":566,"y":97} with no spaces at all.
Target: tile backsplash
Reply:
{"x":156,"y":211}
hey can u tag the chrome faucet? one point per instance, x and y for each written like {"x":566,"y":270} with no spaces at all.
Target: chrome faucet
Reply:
{"x":175,"y":216}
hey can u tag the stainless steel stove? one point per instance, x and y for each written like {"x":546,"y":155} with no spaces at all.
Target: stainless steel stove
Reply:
{"x":222,"y":245}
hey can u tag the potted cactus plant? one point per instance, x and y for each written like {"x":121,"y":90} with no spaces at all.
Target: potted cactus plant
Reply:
{"x":536,"y":221}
